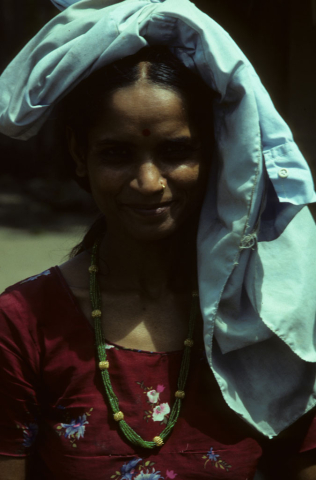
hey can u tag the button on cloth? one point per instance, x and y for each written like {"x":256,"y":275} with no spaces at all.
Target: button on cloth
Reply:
{"x":283,"y":173}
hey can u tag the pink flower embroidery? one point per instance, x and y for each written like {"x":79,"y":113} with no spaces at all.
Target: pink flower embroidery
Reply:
{"x":171,"y":474}
{"x":160,"y":388}
{"x":160,"y":411}
{"x":153,"y":396}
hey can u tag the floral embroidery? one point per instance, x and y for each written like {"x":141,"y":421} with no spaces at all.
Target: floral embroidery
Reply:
{"x":171,"y":474}
{"x":75,"y":429}
{"x":29,"y":434}
{"x":135,"y":470}
{"x":160,"y":412}
{"x":216,"y":460}
{"x":128,"y":469}
{"x":148,"y":476}
{"x":153,"y":395}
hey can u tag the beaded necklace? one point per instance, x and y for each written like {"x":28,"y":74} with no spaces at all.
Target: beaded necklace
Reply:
{"x":104,"y":365}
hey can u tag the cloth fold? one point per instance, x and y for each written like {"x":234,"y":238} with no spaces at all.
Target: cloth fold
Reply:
{"x":256,"y":248}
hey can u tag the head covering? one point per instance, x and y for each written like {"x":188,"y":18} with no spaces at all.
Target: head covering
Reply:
{"x":256,"y":247}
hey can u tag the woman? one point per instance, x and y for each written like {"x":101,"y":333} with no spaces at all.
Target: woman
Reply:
{"x":96,"y":353}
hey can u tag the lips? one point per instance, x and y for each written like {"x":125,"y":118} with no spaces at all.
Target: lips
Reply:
{"x":155,"y":209}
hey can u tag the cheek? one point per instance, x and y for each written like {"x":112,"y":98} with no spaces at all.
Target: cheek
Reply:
{"x":105,"y":183}
{"x":189,"y":177}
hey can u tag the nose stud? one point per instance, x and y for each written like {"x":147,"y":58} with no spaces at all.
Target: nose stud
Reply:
{"x":162,"y":185}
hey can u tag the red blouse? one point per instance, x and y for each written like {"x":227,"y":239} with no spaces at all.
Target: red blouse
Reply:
{"x":54,"y":405}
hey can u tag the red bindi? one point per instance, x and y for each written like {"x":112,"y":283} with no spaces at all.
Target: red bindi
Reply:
{"x":146,"y":132}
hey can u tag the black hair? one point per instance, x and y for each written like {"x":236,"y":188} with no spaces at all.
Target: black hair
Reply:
{"x":80,"y":108}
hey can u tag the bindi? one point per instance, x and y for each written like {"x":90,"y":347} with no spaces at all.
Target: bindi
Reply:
{"x":146,"y":132}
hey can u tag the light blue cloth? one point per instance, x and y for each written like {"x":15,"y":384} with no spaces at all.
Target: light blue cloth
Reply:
{"x":256,"y":242}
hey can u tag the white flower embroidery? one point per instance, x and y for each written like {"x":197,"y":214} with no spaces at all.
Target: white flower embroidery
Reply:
{"x":153,"y":396}
{"x":160,"y":412}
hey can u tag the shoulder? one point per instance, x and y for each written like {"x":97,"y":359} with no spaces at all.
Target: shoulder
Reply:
{"x":27,"y":288}
{"x":31,"y":300}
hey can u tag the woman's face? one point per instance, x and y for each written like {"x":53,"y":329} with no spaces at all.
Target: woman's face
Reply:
{"x":144,"y":140}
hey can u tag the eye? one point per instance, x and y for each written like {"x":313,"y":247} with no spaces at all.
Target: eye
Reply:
{"x":115,"y":154}
{"x":178,"y":152}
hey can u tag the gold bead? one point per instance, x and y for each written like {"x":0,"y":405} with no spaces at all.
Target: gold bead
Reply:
{"x":104,"y":365}
{"x":158,"y":441}
{"x":188,"y":342}
{"x":96,"y":313}
{"x":93,"y":268}
{"x":118,"y":416}
{"x":180,"y":394}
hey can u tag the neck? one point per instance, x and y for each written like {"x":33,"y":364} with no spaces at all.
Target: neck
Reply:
{"x":151,"y":267}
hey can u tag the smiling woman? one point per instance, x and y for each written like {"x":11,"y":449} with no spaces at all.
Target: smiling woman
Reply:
{"x":145,"y":186}
{"x":152,"y":352}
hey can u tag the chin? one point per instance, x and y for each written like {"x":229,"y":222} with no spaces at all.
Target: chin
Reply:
{"x":152,"y":234}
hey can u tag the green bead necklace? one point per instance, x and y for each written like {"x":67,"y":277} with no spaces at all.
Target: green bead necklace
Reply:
{"x":130,"y":434}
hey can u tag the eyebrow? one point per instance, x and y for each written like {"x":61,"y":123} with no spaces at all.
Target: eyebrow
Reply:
{"x":183,"y":140}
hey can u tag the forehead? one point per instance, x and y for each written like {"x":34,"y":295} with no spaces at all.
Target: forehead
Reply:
{"x":142,"y":107}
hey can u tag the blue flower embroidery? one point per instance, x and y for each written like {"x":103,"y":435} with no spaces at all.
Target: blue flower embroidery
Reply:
{"x":76,"y":427}
{"x":135,"y":470}
{"x":212,"y":455}
{"x":128,"y":469}
{"x":29,"y":434}
{"x":216,"y":460}
{"x":149,"y":476}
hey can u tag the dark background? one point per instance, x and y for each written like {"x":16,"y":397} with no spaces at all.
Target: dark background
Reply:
{"x":278,"y":36}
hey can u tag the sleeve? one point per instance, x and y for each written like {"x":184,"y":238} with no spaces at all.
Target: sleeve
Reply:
{"x":19,"y":374}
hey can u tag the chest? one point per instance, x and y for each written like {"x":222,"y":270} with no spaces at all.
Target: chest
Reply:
{"x":135,"y":322}
{"x":79,"y":426}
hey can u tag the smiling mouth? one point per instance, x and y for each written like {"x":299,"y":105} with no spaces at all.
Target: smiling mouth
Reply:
{"x":149,"y":210}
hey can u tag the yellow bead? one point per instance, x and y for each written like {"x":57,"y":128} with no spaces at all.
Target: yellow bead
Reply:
{"x":104,"y":365}
{"x":118,"y":416}
{"x":179,"y":394}
{"x":96,"y":313}
{"x":188,"y":342}
{"x":93,"y":268}
{"x":158,"y":441}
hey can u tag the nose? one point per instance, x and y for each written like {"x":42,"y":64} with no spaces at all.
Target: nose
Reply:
{"x":148,"y":179}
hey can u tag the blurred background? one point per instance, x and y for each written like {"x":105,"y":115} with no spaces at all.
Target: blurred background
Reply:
{"x":42,"y":215}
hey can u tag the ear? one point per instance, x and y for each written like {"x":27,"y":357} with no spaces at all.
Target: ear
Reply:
{"x":76,"y":152}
